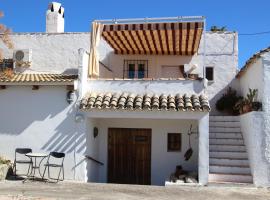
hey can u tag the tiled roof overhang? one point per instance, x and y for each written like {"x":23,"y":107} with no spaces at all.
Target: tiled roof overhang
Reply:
{"x":131,"y":102}
{"x":251,"y":60}
{"x":50,"y":79}
{"x":177,"y":38}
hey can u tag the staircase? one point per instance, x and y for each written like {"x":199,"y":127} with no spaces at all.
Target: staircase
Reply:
{"x":228,"y":160}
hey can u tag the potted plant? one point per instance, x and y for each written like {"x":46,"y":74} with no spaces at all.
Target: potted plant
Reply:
{"x":5,"y":164}
{"x":227,"y":102}
{"x":249,"y":103}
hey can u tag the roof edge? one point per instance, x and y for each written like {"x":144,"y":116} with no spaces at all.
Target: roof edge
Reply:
{"x":250,"y":61}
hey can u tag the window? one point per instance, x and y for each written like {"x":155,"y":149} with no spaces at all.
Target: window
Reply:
{"x":174,"y":142}
{"x":135,"y":69}
{"x":6,"y":64}
{"x":209,"y":73}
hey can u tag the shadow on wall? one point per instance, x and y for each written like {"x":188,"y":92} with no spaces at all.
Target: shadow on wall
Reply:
{"x":41,"y":113}
{"x":67,"y":137}
{"x":24,"y":109}
{"x":71,"y":71}
{"x":214,"y":99}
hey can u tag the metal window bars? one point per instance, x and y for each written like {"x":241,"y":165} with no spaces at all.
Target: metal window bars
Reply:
{"x":135,"y":69}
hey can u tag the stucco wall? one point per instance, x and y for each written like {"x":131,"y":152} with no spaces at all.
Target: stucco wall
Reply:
{"x":266,"y":104}
{"x":52,"y":53}
{"x":143,"y":87}
{"x":256,"y":125}
{"x":163,"y":163}
{"x":253,"y":78}
{"x":254,"y":137}
{"x":44,"y":121}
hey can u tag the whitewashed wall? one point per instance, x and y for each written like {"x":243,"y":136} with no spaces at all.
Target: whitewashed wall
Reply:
{"x":256,"y":125}
{"x":142,"y":87}
{"x":252,"y":129}
{"x":44,"y":121}
{"x":51,"y":53}
{"x":266,"y":105}
{"x":253,"y":78}
{"x":163,"y":163}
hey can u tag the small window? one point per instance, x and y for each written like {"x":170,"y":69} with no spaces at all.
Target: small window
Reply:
{"x":209,"y":73}
{"x":174,"y":142}
{"x":131,"y":71}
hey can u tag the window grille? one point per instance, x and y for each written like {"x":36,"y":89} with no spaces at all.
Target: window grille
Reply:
{"x":135,"y":69}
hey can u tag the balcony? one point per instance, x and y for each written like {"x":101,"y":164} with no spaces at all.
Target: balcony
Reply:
{"x":146,"y":86}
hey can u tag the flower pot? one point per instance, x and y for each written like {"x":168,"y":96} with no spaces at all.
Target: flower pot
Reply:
{"x":3,"y":171}
{"x":246,"y":108}
{"x":256,"y":106}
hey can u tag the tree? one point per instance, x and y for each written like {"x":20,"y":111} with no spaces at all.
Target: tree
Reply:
{"x":5,"y":38}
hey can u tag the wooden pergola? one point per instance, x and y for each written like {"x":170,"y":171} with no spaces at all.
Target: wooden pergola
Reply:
{"x":178,"y":37}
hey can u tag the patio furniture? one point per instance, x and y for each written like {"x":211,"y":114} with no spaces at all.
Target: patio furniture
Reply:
{"x":20,"y":158}
{"x":35,"y":166}
{"x":51,"y":163}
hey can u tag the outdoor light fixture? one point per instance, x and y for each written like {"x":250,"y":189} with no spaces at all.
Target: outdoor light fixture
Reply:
{"x":70,"y":96}
{"x":95,"y":132}
{"x":79,"y":118}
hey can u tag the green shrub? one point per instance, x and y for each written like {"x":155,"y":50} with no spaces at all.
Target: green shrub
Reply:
{"x":227,"y":102}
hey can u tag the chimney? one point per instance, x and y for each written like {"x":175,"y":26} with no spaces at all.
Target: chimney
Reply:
{"x":55,"y":18}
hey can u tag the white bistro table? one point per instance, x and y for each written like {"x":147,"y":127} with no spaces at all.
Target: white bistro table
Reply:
{"x":35,"y":165}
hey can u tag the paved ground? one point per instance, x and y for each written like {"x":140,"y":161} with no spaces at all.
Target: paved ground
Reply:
{"x":70,"y":190}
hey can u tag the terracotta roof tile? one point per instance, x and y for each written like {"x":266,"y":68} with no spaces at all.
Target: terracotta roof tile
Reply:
{"x":39,"y":78}
{"x":126,"y":101}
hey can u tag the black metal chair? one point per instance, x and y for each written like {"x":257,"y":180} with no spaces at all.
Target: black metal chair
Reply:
{"x":22,"y":159}
{"x":49,"y":164}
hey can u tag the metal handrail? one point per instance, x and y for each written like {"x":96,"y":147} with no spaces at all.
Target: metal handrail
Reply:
{"x":105,"y":66}
{"x":91,"y":158}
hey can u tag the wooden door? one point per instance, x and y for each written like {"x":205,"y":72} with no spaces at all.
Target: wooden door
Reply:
{"x":129,"y":156}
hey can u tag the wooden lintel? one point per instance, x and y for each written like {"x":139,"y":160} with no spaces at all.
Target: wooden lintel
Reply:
{"x":35,"y":87}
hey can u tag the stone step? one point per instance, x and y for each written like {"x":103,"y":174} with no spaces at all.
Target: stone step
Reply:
{"x":225,"y":135}
{"x":228,"y":161}
{"x":234,"y":178}
{"x":225,"y":130}
{"x":228,"y":154}
{"x":231,"y":141}
{"x":224,"y":124}
{"x":234,"y":148}
{"x":229,"y":169}
{"x":224,"y":118}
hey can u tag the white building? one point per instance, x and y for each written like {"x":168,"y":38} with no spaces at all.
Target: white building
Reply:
{"x":132,"y":109}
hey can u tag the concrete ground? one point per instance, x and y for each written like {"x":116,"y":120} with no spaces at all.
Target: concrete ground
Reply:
{"x":74,"y":190}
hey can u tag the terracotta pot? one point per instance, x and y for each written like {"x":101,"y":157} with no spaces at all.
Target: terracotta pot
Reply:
{"x":247,"y":108}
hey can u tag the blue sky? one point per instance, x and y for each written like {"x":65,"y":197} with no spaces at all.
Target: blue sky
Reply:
{"x":243,"y":16}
